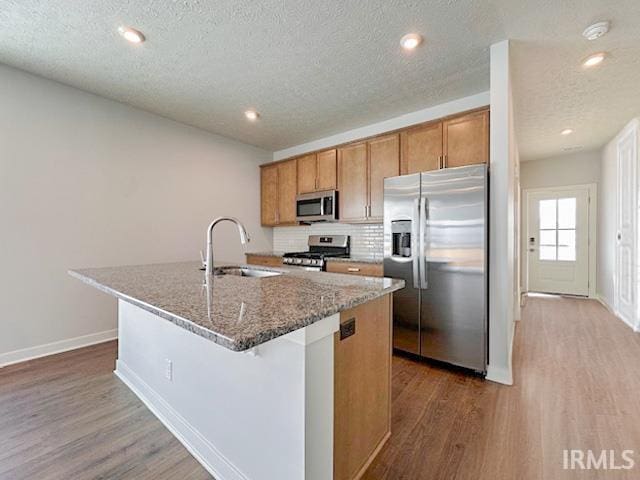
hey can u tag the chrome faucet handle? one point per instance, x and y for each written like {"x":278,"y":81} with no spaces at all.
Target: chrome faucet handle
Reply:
{"x":202,"y":259}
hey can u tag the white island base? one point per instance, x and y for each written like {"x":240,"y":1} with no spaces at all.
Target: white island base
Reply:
{"x":267,"y":413}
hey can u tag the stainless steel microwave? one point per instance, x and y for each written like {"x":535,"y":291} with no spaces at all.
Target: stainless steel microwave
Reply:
{"x":317,"y":206}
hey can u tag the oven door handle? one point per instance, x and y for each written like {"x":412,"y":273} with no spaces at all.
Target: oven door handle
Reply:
{"x":322,"y":206}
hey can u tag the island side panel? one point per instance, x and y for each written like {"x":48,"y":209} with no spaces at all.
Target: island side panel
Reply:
{"x":362,"y":388}
{"x":243,"y":415}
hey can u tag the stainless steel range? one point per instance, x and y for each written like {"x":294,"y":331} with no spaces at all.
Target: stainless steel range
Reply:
{"x":321,"y":247}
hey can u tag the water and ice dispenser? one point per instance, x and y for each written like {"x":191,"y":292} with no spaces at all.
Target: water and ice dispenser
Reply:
{"x":401,"y":238}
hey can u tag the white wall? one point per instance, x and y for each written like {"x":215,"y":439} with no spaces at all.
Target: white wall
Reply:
{"x":413,"y":118}
{"x":503,"y":251}
{"x":86,"y":181}
{"x":607,"y":212}
{"x":578,"y":168}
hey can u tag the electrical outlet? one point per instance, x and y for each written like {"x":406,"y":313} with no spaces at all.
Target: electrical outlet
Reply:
{"x":168,"y":369}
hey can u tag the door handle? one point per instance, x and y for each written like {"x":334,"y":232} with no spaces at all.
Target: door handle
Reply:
{"x":415,"y":253}
{"x":424,"y":212}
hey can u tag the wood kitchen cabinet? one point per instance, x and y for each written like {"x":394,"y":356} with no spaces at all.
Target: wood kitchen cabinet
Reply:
{"x":263,"y":260}
{"x":269,"y":195}
{"x":317,"y":172}
{"x":353,"y":182}
{"x":355,"y":268}
{"x":362,"y":386}
{"x":358,"y":170}
{"x":453,"y":142}
{"x":466,"y":139}
{"x":278,"y":190}
{"x":421,"y":148}
{"x":384,"y":162}
{"x":362,"y":169}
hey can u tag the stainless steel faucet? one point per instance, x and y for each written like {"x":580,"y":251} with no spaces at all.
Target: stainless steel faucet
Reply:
{"x":244,"y":239}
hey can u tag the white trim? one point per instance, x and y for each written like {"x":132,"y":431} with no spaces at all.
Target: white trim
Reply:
{"x":316,"y":331}
{"x":593,"y":231}
{"x":25,"y":354}
{"x":443,"y":110}
{"x":203,"y":451}
{"x":605,"y":304}
{"x":499,"y":375}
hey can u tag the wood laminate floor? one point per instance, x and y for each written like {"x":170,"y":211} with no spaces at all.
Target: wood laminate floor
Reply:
{"x":577,"y":387}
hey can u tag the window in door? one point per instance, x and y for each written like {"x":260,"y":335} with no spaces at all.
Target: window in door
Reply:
{"x":557,"y":229}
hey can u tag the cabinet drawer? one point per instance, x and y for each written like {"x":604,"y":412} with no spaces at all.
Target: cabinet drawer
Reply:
{"x":264,"y":260}
{"x":355,"y":268}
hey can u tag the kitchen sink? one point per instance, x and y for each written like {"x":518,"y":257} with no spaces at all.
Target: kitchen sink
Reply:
{"x":245,"y":272}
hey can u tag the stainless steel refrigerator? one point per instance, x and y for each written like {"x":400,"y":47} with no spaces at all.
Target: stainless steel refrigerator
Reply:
{"x":435,"y":238}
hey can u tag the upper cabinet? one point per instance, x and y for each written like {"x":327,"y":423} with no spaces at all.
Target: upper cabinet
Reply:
{"x":466,"y":139}
{"x":362,"y":169}
{"x":358,"y":170}
{"x":353,"y":183}
{"x":278,"y":193}
{"x":384,"y":162}
{"x":317,"y":172}
{"x":307,"y":173}
{"x":269,"y":195}
{"x":421,"y":148}
{"x":453,"y":142}
{"x":327,"y":170}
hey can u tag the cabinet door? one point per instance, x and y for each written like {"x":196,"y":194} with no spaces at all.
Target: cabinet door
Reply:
{"x":307,"y":169}
{"x":384,"y":161}
{"x":326,"y":178}
{"x":421,"y":148}
{"x":466,"y":139}
{"x":352,"y":182}
{"x":269,"y":195}
{"x":362,"y":388}
{"x":287,"y":191}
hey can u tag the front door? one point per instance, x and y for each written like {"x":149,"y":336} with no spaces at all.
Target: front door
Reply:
{"x":558,"y":241}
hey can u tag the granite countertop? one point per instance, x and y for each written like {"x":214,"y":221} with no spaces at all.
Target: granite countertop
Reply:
{"x":236,"y":312}
{"x":355,"y":259}
{"x":266,"y":254}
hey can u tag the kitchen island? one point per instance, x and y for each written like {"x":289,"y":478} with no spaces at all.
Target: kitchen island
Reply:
{"x":262,"y":373}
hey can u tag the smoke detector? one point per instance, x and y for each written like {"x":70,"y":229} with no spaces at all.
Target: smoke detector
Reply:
{"x":596,"y":30}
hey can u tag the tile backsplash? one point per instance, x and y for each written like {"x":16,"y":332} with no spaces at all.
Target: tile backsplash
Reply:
{"x":366,"y":239}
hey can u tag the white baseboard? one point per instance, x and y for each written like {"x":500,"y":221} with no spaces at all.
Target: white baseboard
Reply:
{"x":203,"y":450}
{"x":18,"y":356}
{"x":605,"y":304}
{"x":499,"y":375}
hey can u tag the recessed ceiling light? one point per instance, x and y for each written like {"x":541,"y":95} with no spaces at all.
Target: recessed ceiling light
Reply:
{"x":592,"y":32}
{"x":131,"y":34}
{"x":593,"y":60}
{"x":566,"y":131}
{"x":252,"y":115}
{"x":410,"y":41}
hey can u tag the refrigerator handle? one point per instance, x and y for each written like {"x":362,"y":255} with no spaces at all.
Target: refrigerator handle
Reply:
{"x":424,"y":212}
{"x":415,"y":252}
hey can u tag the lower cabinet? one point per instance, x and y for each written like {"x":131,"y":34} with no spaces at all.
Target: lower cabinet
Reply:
{"x":263,"y":260}
{"x":362,"y":387}
{"x":356,"y":268}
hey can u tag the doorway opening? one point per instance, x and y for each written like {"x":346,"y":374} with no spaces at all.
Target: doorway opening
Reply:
{"x":560,"y":240}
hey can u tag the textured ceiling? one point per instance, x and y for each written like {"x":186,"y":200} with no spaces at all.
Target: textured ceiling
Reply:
{"x":552,"y":91}
{"x":316,"y":68}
